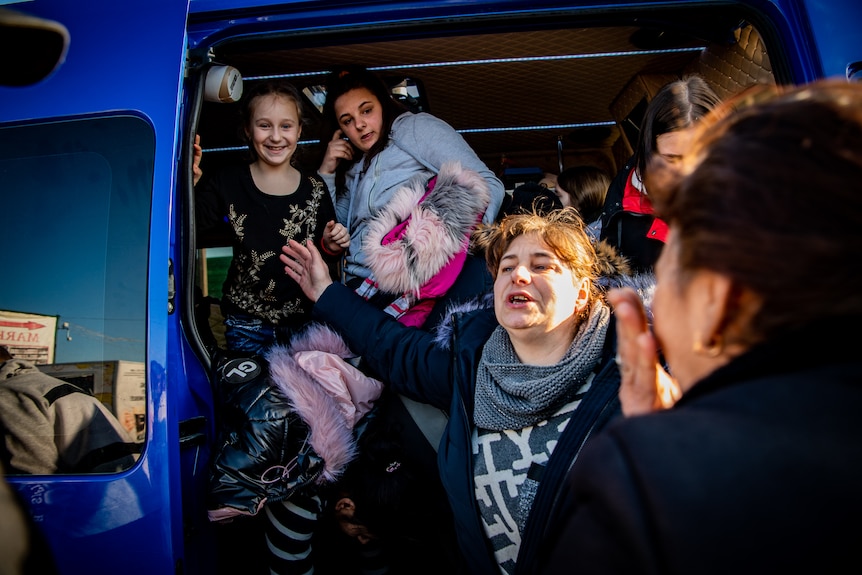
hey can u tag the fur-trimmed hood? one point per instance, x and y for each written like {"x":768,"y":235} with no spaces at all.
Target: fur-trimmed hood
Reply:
{"x":420,"y":231}
{"x":285,"y":424}
{"x":327,"y":392}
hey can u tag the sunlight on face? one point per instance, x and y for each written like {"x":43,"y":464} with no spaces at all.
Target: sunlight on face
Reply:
{"x":671,"y":309}
{"x":533,"y":289}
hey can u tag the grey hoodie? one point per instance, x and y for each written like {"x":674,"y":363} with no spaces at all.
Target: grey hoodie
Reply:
{"x":418,"y":143}
{"x":52,"y":426}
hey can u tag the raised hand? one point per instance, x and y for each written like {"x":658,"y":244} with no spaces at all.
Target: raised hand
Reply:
{"x":196,"y":160}
{"x":335,"y":237}
{"x":645,"y":386}
{"x":338,"y":149}
{"x":304,"y":264}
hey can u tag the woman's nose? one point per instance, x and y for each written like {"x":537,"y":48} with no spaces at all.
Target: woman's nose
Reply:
{"x":521,"y":275}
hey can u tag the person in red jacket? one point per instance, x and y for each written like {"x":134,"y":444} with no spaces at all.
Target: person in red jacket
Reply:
{"x":628,"y":222}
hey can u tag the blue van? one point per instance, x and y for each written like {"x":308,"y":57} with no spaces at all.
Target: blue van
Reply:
{"x":105,"y":284}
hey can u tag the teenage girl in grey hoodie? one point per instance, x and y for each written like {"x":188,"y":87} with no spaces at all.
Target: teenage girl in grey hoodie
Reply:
{"x":375,"y":150}
{"x":376,"y":146}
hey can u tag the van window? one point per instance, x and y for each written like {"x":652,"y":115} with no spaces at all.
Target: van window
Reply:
{"x":76,"y":205}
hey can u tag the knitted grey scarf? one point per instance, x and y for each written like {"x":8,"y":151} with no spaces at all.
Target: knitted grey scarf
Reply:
{"x":513,"y":395}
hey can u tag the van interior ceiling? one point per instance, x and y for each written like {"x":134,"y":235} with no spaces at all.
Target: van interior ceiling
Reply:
{"x":529,"y":98}
{"x":522,"y":97}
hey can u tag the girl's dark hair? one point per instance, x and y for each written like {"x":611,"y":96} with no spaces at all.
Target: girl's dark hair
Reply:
{"x":343,"y":80}
{"x":249,"y":99}
{"x":677,"y":105}
{"x":587,"y":186}
{"x":381,"y":483}
{"x":769,"y":196}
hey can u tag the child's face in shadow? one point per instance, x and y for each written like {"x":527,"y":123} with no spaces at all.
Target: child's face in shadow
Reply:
{"x":344,"y":511}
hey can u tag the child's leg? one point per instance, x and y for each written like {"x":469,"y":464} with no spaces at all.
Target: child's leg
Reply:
{"x":248,"y":334}
{"x":289,"y":530}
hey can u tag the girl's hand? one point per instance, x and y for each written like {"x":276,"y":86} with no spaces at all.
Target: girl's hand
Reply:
{"x":645,"y":386}
{"x":304,"y":264}
{"x":338,"y":149}
{"x":335,"y":237}
{"x":196,"y":160}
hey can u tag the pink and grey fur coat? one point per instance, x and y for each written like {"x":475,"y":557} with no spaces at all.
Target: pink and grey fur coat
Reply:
{"x":262,"y":451}
{"x":326,"y":391}
{"x":416,"y":245}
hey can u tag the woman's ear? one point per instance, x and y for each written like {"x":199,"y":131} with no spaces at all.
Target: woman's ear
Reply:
{"x":716,"y":299}
{"x":583,"y":301}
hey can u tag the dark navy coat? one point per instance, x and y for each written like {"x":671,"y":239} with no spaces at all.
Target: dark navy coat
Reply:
{"x":757,"y":469}
{"x":410,"y":362}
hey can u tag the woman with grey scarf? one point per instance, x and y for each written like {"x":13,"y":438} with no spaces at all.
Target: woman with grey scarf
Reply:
{"x":524,"y":384}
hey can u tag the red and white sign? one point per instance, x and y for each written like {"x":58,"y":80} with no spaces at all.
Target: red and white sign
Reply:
{"x":28,"y":335}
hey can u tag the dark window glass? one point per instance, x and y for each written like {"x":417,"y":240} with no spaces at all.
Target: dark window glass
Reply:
{"x":76,"y":205}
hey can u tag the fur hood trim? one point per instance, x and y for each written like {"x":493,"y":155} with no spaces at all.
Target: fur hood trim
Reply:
{"x":430,"y":229}
{"x":331,"y":432}
{"x":612,"y":266}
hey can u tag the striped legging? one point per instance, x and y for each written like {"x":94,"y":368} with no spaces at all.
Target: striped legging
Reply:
{"x":289,"y":529}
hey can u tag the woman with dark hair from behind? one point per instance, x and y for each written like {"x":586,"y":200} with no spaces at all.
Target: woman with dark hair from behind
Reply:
{"x":628,"y":222}
{"x":756,"y":467}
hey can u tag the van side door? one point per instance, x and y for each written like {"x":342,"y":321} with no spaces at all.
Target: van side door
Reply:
{"x":88,"y":169}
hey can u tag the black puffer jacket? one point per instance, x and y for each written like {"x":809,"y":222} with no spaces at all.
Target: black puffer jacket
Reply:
{"x":257,"y":428}
{"x":279,"y":430}
{"x":756,"y":469}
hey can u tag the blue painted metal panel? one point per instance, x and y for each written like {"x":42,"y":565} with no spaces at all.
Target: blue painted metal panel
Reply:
{"x":837,"y":28}
{"x":123,"y":57}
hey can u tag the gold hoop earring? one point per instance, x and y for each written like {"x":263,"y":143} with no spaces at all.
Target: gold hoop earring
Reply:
{"x":712,"y":348}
